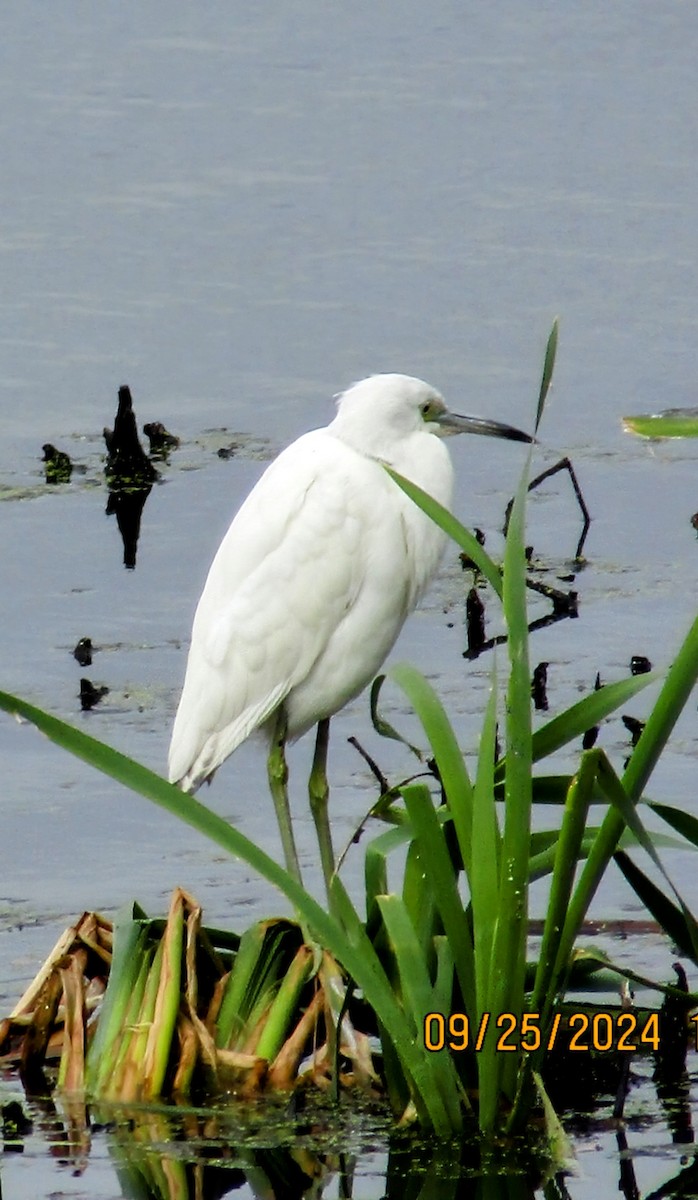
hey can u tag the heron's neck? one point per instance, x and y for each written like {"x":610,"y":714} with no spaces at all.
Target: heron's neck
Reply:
{"x":421,"y":457}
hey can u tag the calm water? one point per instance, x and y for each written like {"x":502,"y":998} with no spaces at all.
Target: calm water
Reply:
{"x":238,"y":210}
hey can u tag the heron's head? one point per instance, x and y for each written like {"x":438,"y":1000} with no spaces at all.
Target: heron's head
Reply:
{"x":377,"y":412}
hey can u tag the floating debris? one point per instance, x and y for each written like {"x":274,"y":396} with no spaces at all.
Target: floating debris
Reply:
{"x":228,"y":451}
{"x":475,"y":623}
{"x":465,"y":560}
{"x":539,"y":687}
{"x":83,"y":652}
{"x":15,"y":1125}
{"x":590,"y":736}
{"x":91,"y":695}
{"x":634,"y":728}
{"x":161,"y":440}
{"x":58,"y":466}
{"x":639,"y":665}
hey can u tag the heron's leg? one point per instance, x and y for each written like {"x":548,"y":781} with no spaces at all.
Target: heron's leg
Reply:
{"x":277,"y":772}
{"x":319,"y":793}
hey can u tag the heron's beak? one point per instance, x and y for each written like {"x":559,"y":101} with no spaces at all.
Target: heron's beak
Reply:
{"x":452,"y":423}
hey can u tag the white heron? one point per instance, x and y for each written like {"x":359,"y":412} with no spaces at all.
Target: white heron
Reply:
{"x":312,"y":583}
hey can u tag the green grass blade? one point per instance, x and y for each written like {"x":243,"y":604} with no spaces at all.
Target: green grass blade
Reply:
{"x":566,"y":858}
{"x":130,"y":937}
{"x":284,"y":1006}
{"x":618,"y":797}
{"x":553,"y":789}
{"x":484,"y":869}
{"x":136,"y":1077}
{"x":683,"y":822}
{"x":120,"y":1081}
{"x":484,"y":879}
{"x":159,"y":1043}
{"x":445,"y":974}
{"x":235,"y":1002}
{"x":264,"y":955}
{"x":418,"y":898}
{"x":548,"y":368}
{"x":383,"y":727}
{"x":589,"y":711}
{"x":444,"y":745}
{"x":668,"y":914}
{"x":453,"y":527}
{"x":676,"y":690}
{"x":376,"y":867}
{"x":509,"y":954}
{"x":418,"y":994}
{"x":405,"y":1040}
{"x":434,"y":854}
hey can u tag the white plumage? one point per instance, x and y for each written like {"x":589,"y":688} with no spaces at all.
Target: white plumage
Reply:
{"x":317,"y":573}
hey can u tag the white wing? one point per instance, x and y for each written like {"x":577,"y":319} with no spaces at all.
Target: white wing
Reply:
{"x":284,"y":575}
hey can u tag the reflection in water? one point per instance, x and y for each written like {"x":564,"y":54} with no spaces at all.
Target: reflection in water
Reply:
{"x":127,"y":505}
{"x":169,"y":1153}
{"x":130,"y":475}
{"x":191,"y":1154}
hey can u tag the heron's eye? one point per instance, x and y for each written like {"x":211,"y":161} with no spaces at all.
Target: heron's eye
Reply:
{"x":427,"y":409}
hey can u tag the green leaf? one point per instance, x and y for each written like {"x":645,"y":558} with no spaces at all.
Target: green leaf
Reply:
{"x":548,"y":367}
{"x":450,"y":525}
{"x":418,"y":993}
{"x":567,"y":854}
{"x":417,"y":1062}
{"x":675,"y":692}
{"x":673,"y":423}
{"x":509,"y":952}
{"x":436,"y":860}
{"x":673,"y":697}
{"x":683,"y":822}
{"x":590,"y":711}
{"x":447,"y":753}
{"x":166,"y":1002}
{"x":284,"y":1005}
{"x":129,"y":948}
{"x":483,"y":876}
{"x":668,"y":914}
{"x":617,"y":795}
{"x":383,"y":727}
{"x":263,"y":958}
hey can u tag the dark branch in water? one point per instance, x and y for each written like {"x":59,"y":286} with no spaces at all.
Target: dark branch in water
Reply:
{"x":127,"y":463}
{"x":563,"y":465}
